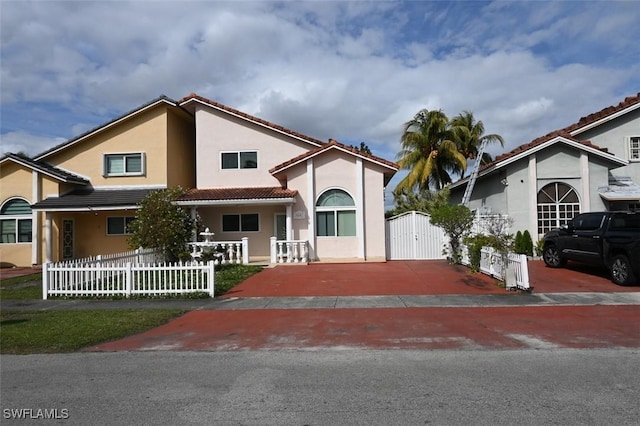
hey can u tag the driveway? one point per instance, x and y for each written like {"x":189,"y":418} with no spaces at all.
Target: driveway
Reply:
{"x":472,"y":326}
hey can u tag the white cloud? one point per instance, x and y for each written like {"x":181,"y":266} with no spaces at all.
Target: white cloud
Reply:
{"x":25,"y":142}
{"x":352,"y":71}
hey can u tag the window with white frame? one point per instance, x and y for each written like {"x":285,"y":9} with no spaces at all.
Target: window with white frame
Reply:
{"x":241,"y":222}
{"x":131,"y":164}
{"x":119,"y":225}
{"x":239,"y":160}
{"x":558,"y":203}
{"x":15,"y":222}
{"x":335,"y":214}
{"x":634,"y":148}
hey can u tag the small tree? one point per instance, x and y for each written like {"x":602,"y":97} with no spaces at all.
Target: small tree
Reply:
{"x":162,"y":225}
{"x":457,"y":221}
{"x":527,"y":243}
{"x":518,"y":243}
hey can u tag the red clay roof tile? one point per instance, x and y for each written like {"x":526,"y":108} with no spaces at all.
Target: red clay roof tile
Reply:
{"x":254,"y":193}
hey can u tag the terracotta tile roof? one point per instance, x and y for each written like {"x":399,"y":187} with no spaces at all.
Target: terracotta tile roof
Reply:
{"x":249,"y":117}
{"x":596,"y":116}
{"x":566,"y":132}
{"x":220,"y":194}
{"x":333,"y":144}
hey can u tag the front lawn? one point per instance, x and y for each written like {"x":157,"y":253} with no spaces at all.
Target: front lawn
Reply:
{"x":67,"y":331}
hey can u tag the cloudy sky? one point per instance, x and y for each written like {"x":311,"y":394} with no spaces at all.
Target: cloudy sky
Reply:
{"x":352,"y":71}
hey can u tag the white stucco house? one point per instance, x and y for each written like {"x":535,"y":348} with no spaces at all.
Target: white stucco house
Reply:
{"x":591,"y":165}
{"x":258,"y":180}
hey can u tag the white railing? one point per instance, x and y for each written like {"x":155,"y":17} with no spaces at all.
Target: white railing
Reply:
{"x":289,"y":251}
{"x":126,"y":279}
{"x":140,"y":255}
{"x":515,"y":273}
{"x":223,"y":251}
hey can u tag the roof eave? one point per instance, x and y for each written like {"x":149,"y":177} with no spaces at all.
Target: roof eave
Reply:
{"x":244,"y":201}
{"x":604,"y":119}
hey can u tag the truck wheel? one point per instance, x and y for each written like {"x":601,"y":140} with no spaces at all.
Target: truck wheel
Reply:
{"x":552,"y":258}
{"x":621,"y":272}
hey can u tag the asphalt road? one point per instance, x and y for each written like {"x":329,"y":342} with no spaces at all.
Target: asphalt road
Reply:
{"x":329,"y":386}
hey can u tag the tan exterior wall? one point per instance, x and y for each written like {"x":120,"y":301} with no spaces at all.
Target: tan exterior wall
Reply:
{"x":90,"y":234}
{"x":145,"y":132}
{"x":374,"y":213}
{"x":181,"y":162}
{"x":217,"y":132}
{"x":16,"y":183}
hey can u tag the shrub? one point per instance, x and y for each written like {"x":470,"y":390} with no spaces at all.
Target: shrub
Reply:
{"x":518,"y":243}
{"x":527,"y":243}
{"x":456,"y":220}
{"x":474,"y":246}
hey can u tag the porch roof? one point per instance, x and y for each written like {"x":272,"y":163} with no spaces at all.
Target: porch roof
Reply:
{"x":88,"y":199}
{"x":247,"y":195}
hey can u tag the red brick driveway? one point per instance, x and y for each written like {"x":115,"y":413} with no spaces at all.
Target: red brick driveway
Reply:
{"x":464,"y":328}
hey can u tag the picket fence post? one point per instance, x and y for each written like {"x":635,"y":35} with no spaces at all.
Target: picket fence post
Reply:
{"x":45,"y":280}
{"x":211,"y":277}
{"x":128,"y":279}
{"x":245,"y":250}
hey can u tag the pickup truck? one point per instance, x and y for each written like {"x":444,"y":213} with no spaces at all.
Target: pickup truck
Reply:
{"x":610,"y":239}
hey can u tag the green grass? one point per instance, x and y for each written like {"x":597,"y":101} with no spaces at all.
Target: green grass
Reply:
{"x":26,"y":332}
{"x":22,"y":288}
{"x":67,"y":331}
{"x":228,"y":276}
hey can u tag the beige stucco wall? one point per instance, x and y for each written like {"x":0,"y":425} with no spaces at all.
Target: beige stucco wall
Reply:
{"x":336,"y":169}
{"x":145,"y":132}
{"x":258,"y":241}
{"x":217,"y":132}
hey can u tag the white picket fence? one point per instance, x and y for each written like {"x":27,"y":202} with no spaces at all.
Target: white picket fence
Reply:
{"x":140,"y":255}
{"x":515,"y":274}
{"x":101,"y":279}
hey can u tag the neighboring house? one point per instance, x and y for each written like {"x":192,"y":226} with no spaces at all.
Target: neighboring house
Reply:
{"x":591,"y":165}
{"x":76,"y":199}
{"x":246,"y":177}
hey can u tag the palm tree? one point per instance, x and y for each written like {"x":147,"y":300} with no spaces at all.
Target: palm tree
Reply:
{"x":429,"y":152}
{"x":469,"y":135}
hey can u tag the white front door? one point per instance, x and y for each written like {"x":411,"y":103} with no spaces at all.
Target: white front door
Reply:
{"x":280,"y":226}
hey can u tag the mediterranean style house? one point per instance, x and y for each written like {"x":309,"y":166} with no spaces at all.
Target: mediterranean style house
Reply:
{"x":591,"y":165}
{"x":246,"y":177}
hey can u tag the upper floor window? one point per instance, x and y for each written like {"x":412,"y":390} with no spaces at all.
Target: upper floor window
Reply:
{"x":119,"y":225}
{"x":335,"y":214}
{"x":124,"y":164}
{"x":239,"y":160}
{"x":634,"y":148}
{"x":15,"y":222}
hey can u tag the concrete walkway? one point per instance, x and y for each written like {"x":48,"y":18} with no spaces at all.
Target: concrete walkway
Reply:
{"x":336,"y":302}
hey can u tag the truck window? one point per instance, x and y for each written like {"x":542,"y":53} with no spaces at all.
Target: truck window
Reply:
{"x":588,"y":221}
{"x":625,"y":222}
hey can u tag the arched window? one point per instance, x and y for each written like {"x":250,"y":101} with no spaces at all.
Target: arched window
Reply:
{"x":335,"y":214}
{"x":558,"y":203}
{"x":15,"y":222}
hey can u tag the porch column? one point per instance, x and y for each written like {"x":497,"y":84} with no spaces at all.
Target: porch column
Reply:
{"x":360,"y":208}
{"x":311,"y":209}
{"x":533,"y":197}
{"x":47,"y":237}
{"x":585,"y":205}
{"x":288,"y":223}
{"x":35,"y":219}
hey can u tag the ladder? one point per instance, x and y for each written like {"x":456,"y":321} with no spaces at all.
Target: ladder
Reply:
{"x":474,"y":174}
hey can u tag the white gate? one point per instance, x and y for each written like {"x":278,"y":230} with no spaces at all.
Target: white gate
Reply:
{"x":411,"y":235}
